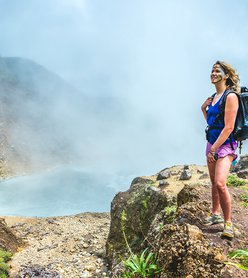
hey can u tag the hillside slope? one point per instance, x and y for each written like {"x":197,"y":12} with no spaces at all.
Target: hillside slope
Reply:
{"x":45,"y":121}
{"x":26,"y":107}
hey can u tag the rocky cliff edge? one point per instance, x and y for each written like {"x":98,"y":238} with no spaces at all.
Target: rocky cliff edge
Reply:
{"x":164,"y":213}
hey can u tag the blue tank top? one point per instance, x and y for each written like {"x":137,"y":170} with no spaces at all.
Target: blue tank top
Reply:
{"x":215,"y":127}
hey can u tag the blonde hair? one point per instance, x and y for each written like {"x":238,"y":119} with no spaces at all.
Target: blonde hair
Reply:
{"x":232,"y":81}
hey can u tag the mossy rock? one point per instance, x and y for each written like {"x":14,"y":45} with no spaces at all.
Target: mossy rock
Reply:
{"x":141,"y":203}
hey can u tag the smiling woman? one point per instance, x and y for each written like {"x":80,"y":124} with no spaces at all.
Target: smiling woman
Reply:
{"x":221,"y":145}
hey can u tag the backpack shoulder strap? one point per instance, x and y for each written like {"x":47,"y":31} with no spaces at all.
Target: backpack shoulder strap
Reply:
{"x":222,"y":110}
{"x":222,"y":106}
{"x":223,"y":102}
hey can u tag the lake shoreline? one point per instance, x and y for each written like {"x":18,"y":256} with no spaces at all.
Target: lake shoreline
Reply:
{"x":66,"y":190}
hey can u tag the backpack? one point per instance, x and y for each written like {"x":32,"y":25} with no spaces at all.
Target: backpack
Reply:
{"x":240,"y":131}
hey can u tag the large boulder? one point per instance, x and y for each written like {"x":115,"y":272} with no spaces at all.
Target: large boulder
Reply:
{"x":243,"y":174}
{"x":183,"y":250}
{"x":139,"y":204}
{"x":241,"y":168}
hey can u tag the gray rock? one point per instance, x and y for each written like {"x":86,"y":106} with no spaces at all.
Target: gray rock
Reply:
{"x":100,"y":253}
{"x":200,"y":171}
{"x":243,"y":174}
{"x":204,"y":176}
{"x":163,"y":183}
{"x":242,"y":163}
{"x":165,"y":174}
{"x":174,"y":173}
{"x":140,"y":180}
{"x":37,"y":271}
{"x":186,"y":175}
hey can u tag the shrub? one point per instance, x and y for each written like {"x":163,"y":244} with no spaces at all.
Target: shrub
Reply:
{"x":4,"y":257}
{"x":170,"y":213}
{"x":244,"y":198}
{"x":143,"y":265}
{"x":140,"y":266}
{"x":233,"y":180}
{"x":170,"y":209}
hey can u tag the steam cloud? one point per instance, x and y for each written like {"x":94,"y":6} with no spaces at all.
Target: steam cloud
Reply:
{"x":140,"y":82}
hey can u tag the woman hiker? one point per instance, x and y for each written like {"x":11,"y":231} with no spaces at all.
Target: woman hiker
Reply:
{"x":220,"y":150}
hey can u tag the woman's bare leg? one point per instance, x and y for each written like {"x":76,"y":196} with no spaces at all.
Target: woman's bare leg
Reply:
{"x":215,"y":192}
{"x":222,"y":169}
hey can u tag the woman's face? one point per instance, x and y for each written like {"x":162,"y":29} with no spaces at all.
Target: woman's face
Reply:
{"x":217,"y":74}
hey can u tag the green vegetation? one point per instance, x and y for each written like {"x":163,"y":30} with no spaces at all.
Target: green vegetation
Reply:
{"x":233,"y":180}
{"x":170,"y":213}
{"x":143,"y":265}
{"x":244,"y":198}
{"x":150,"y":183}
{"x":145,"y":202}
{"x":4,"y":257}
{"x":242,"y":256}
{"x":170,"y":210}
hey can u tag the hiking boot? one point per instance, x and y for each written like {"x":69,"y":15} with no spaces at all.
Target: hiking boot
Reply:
{"x":213,"y":219}
{"x":228,"y":230}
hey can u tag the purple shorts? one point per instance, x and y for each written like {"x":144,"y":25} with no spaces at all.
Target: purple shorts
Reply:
{"x":224,"y":150}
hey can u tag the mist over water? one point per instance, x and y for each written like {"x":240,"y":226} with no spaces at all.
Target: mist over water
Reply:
{"x":66,"y":190}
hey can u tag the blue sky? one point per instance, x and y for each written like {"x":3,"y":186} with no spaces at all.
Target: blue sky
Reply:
{"x":156,"y":55}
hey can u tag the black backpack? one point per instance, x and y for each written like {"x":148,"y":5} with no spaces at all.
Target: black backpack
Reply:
{"x":240,"y":131}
